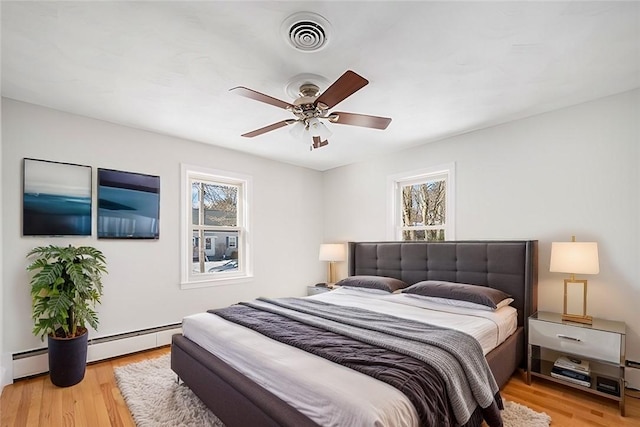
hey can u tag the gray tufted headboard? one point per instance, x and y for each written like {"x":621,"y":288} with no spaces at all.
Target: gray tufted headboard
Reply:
{"x":511,"y":266}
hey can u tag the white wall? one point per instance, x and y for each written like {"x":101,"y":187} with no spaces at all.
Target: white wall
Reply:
{"x":142,"y":288}
{"x":570,"y":172}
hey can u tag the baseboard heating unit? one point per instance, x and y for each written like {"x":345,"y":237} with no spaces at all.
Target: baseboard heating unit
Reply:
{"x":35,"y":362}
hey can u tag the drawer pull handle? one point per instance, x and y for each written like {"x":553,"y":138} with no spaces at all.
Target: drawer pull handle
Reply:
{"x":567,"y":337}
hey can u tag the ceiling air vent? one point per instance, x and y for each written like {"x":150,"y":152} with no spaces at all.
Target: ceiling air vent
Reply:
{"x":306,"y":31}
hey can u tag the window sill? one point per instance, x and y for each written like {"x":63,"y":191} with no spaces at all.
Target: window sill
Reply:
{"x":210,"y":282}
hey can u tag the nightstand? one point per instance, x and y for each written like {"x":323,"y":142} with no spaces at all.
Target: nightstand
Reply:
{"x":315,"y":290}
{"x":602,"y":344}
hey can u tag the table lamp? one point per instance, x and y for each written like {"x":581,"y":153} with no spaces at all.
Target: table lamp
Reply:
{"x":575,"y":258}
{"x":332,"y":252}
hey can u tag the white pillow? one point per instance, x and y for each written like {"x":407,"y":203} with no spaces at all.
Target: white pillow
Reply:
{"x":367,"y":290}
{"x":465,"y":304}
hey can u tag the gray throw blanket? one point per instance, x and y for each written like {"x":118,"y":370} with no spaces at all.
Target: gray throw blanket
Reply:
{"x":457,"y":356}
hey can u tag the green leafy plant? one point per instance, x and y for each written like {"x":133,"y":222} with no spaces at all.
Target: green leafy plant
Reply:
{"x":65,"y":289}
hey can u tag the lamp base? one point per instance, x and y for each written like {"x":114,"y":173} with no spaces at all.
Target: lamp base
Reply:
{"x":332,"y":273}
{"x":588,"y":320}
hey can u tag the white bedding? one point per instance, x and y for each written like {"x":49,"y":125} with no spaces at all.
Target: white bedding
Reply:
{"x":490,"y":328}
{"x":330,"y":394}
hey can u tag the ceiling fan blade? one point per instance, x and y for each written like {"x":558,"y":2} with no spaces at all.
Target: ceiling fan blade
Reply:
{"x":317,"y":142}
{"x":250,"y":93}
{"x":269,"y":128}
{"x":363,"y":120}
{"x":348,"y":84}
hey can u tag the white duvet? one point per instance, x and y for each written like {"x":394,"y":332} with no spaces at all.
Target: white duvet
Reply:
{"x":330,"y":394}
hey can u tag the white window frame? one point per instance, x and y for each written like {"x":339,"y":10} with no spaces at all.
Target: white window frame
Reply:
{"x":394,"y":198}
{"x":188,"y":279}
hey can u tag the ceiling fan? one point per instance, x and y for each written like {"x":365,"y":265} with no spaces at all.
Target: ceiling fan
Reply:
{"x":312,"y":106}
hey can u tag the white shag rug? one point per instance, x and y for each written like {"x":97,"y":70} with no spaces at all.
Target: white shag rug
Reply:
{"x":155,"y":399}
{"x":517,"y":415}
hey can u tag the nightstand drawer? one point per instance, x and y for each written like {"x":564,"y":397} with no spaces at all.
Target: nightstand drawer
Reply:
{"x":576,"y":340}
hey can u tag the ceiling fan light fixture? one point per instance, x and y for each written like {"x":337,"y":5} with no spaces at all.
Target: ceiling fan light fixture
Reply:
{"x":298,"y":131}
{"x":324,"y":132}
{"x":305,"y":130}
{"x":317,"y":128}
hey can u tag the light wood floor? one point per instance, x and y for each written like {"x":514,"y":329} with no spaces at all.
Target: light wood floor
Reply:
{"x":96,"y":401}
{"x":569,"y":407}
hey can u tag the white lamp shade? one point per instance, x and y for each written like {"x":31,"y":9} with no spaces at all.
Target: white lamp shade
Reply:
{"x":332,"y":252}
{"x":313,"y":127}
{"x":298,"y":130}
{"x":317,"y":128}
{"x":574,"y":258}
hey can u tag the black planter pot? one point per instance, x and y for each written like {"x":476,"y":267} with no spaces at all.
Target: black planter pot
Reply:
{"x":67,"y":359}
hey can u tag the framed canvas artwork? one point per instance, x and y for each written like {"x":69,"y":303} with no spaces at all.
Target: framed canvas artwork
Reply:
{"x":56,"y":199}
{"x":128,"y":205}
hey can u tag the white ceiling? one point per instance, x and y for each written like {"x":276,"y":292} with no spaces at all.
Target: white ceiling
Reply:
{"x":437,"y":68}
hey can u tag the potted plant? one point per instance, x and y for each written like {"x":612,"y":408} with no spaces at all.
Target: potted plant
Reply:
{"x":64,"y":291}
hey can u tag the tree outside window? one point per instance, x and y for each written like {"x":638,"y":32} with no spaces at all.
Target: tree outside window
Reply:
{"x":422,"y":204}
{"x":423,"y":210}
{"x":214,"y":208}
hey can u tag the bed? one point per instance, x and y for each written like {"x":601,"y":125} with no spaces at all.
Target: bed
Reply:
{"x":507,"y":266}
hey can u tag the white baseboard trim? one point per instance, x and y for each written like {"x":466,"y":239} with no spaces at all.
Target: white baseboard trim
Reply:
{"x":35,"y":362}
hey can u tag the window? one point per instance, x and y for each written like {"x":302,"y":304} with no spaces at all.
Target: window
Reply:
{"x":215,"y":226}
{"x":421,"y":204}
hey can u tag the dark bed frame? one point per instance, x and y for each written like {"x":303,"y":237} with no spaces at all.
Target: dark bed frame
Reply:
{"x":510,"y":266}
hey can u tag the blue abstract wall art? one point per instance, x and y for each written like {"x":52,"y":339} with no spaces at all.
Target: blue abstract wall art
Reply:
{"x":56,"y":199}
{"x":128,"y":205}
